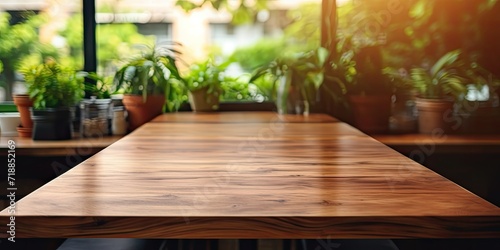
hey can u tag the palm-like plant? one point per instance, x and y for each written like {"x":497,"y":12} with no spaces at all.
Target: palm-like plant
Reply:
{"x":446,"y":78}
{"x":151,"y":73}
{"x":296,"y":76}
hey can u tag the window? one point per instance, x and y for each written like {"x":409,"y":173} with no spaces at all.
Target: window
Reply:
{"x":32,"y":32}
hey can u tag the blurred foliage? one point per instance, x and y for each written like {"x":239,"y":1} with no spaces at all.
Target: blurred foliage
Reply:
{"x":19,"y":45}
{"x":52,"y":85}
{"x":152,"y":71}
{"x":445,"y":78}
{"x":205,"y":74}
{"x":415,"y":33}
{"x":115,"y":42}
{"x":97,"y":85}
{"x":296,"y":77}
{"x":240,"y":89}
{"x":301,"y":34}
{"x":242,"y":11}
{"x":260,"y":53}
{"x":410,"y":33}
{"x":232,"y":88}
{"x":304,"y":28}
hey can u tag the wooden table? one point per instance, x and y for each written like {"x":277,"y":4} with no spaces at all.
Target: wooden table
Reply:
{"x":257,"y":175}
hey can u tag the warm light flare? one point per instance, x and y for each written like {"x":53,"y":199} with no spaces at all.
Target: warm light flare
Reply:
{"x":342,"y":2}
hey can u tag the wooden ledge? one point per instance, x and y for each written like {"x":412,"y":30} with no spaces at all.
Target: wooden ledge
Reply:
{"x":76,"y":146}
{"x":442,"y":143}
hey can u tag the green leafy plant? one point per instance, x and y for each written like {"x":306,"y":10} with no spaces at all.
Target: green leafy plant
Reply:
{"x":342,"y":71}
{"x":447,"y":77}
{"x":482,"y":77}
{"x":19,"y":45}
{"x":300,"y":75}
{"x":153,"y":72}
{"x":240,"y":89}
{"x":260,"y":53}
{"x":206,"y":74}
{"x":51,"y":85}
{"x":241,"y":10}
{"x":98,"y":86}
{"x":399,"y":78}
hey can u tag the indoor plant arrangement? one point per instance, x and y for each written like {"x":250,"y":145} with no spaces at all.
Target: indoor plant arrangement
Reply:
{"x":146,"y":82}
{"x":403,"y":112}
{"x":487,"y":109}
{"x":296,"y":79}
{"x":369,"y":94}
{"x":54,"y":90}
{"x":439,"y":87}
{"x":204,"y":83}
{"x":95,"y":113}
{"x":356,"y":75}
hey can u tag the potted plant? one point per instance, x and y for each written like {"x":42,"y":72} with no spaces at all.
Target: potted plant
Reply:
{"x":439,"y":87}
{"x":356,"y":74}
{"x":146,"y":83}
{"x":479,"y":111}
{"x":54,"y":90}
{"x":369,"y":94}
{"x":203,"y":82}
{"x":296,"y":80}
{"x":403,"y":116}
{"x":95,"y":113}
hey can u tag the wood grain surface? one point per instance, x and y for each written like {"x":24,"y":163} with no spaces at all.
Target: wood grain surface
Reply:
{"x":251,"y":180}
{"x":241,"y":117}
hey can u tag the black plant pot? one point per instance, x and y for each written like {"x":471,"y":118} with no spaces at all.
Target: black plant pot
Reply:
{"x":52,"y":124}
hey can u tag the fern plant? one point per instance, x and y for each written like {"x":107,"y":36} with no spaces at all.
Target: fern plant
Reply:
{"x":446,"y":78}
{"x":51,"y":85}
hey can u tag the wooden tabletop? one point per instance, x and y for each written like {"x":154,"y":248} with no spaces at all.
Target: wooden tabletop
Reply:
{"x":242,"y":117}
{"x":220,"y":178}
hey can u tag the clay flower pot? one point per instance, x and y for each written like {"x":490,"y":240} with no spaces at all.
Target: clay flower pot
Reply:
{"x":140,"y":112}
{"x":24,"y":132}
{"x":435,"y":115}
{"x":202,"y":101}
{"x":371,"y":113}
{"x":24,"y":103}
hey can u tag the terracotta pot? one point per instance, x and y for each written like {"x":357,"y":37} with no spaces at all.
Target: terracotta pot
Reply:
{"x":435,"y":116}
{"x":201,"y":101}
{"x":24,"y":132}
{"x":140,"y":112}
{"x":24,"y":103}
{"x":371,"y":113}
